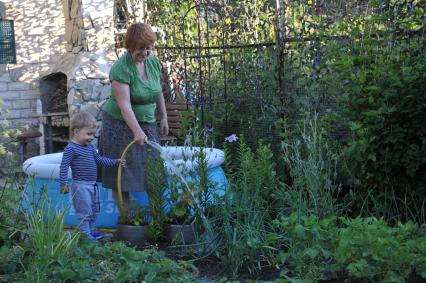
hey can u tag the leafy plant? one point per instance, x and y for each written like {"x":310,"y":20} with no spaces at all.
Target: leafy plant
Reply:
{"x":313,"y":167}
{"x":48,"y":241}
{"x":135,"y":215}
{"x":196,"y":189}
{"x":371,"y":249}
{"x":12,"y":227}
{"x":339,"y":248}
{"x":380,"y":80}
{"x":249,"y":206}
{"x":157,"y":181}
{"x":180,"y":202}
{"x":308,"y":244}
{"x":110,"y":262}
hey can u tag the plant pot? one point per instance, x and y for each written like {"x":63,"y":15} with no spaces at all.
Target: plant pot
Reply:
{"x":180,"y":233}
{"x":133,"y":235}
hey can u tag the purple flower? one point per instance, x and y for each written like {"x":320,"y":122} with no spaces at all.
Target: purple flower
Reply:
{"x":316,"y":61}
{"x":208,"y":129}
{"x":231,"y":138}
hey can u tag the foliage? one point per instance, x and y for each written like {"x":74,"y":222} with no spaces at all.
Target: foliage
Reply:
{"x":309,"y":243}
{"x":11,"y":222}
{"x":135,"y":215}
{"x":9,"y":157}
{"x":372,"y":250}
{"x":367,"y":55}
{"x":110,"y":262}
{"x":180,"y":201}
{"x":196,"y":134}
{"x":250,"y":107}
{"x":10,"y":196}
{"x":313,"y":165}
{"x":246,"y":21}
{"x":48,"y":253}
{"x":49,"y":241}
{"x":380,"y":78}
{"x":243,"y":219}
{"x":362,"y":248}
{"x":192,"y":192}
{"x":157,"y":182}
{"x":360,"y":65}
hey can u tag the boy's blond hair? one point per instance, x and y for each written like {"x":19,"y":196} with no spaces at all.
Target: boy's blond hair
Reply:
{"x":81,"y":120}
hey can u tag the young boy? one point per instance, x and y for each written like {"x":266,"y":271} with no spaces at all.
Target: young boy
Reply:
{"x":83,"y":158}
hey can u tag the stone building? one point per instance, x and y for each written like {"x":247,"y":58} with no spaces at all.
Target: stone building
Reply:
{"x":64,"y":50}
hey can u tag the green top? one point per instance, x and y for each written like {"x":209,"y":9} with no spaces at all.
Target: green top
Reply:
{"x":143,"y":94}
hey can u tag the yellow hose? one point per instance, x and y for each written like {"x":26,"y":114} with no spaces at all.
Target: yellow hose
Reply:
{"x":119,"y":195}
{"x":107,"y":230}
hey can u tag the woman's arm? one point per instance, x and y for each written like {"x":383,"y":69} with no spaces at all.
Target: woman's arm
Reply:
{"x":164,"y":124}
{"x":122,"y":96}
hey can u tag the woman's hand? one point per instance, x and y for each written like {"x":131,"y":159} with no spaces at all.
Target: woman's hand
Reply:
{"x":164,"y":127}
{"x":162,"y":111}
{"x":141,"y":138}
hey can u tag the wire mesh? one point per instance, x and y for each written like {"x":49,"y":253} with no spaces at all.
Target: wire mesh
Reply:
{"x":250,"y":61}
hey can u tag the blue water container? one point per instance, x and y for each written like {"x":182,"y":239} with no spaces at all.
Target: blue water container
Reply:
{"x":43,"y":180}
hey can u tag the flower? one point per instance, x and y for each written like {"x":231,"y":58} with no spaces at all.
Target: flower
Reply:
{"x":208,"y":129}
{"x":316,"y":61}
{"x":231,"y":138}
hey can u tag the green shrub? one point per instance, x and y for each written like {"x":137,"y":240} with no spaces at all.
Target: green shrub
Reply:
{"x":371,"y":249}
{"x":308,"y":244}
{"x":366,"y":249}
{"x":380,"y":77}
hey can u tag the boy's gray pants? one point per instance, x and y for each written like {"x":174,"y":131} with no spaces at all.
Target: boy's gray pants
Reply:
{"x":85,"y":198}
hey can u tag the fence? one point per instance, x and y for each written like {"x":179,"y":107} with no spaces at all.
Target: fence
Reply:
{"x":247,"y":64}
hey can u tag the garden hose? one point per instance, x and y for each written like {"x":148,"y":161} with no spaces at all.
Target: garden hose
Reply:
{"x":106,"y":230}
{"x":119,"y":194}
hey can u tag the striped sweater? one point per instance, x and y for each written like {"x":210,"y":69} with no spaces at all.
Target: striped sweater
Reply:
{"x":83,"y":160}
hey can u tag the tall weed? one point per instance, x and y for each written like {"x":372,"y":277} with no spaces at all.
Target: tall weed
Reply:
{"x":313,"y":167}
{"x":247,"y":212}
{"x":393,"y":206}
{"x":49,"y":241}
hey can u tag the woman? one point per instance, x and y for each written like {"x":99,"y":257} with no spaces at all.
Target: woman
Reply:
{"x":129,"y":114}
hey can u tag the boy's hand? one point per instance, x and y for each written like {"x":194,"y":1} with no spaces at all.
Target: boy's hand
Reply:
{"x":122,"y":162}
{"x":64,"y":189}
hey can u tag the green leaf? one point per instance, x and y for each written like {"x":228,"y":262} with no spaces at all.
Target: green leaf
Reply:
{"x":374,"y":89}
{"x":299,"y":230}
{"x":372,"y":156}
{"x":68,"y":273}
{"x":179,"y":212}
{"x":311,"y":252}
{"x":4,"y":251}
{"x":282,"y":257}
{"x":150,"y":276}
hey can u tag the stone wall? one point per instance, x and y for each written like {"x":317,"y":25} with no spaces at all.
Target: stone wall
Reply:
{"x":39,"y":32}
{"x":45,"y":31}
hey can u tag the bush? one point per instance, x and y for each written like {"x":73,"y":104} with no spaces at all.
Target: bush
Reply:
{"x":361,"y":248}
{"x":381,"y":80}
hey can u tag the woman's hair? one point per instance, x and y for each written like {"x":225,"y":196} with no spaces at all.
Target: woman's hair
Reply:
{"x":82,"y":119}
{"x":139,"y":35}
